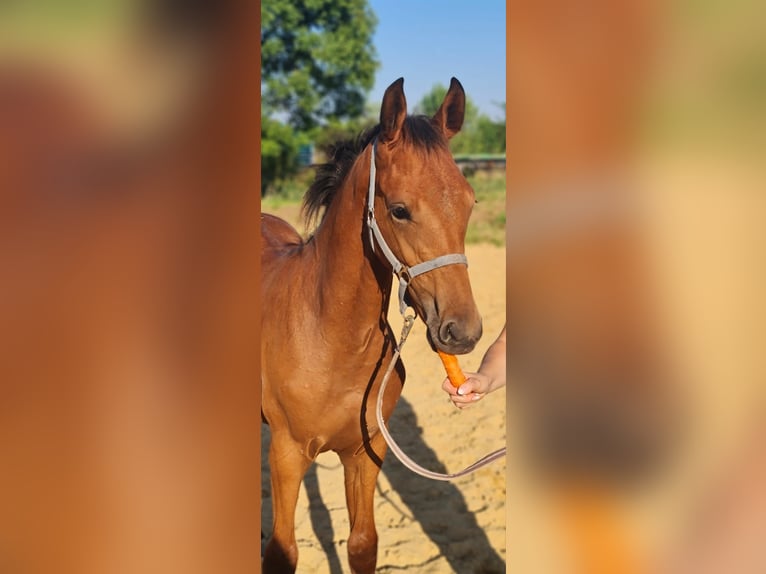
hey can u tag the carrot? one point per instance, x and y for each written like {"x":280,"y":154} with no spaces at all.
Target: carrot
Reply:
{"x":455,"y":374}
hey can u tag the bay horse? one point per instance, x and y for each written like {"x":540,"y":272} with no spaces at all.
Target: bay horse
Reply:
{"x":325,"y":339}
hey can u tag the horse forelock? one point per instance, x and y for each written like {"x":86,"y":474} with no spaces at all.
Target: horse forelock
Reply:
{"x":418,"y":132}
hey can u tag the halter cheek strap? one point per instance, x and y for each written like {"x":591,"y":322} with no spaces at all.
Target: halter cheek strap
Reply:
{"x":402,"y":271}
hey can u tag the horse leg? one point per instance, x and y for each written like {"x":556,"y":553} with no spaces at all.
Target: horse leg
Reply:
{"x":361,"y":472}
{"x":288,"y":465}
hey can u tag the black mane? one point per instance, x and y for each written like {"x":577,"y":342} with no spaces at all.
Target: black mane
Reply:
{"x":418,"y":131}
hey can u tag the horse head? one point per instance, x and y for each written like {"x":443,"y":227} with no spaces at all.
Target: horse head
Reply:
{"x":423,"y":204}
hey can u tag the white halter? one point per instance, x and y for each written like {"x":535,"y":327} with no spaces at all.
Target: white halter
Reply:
{"x":402,"y":271}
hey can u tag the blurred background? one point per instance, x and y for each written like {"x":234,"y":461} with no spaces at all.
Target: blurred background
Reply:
{"x":129,"y":403}
{"x":663,"y":105}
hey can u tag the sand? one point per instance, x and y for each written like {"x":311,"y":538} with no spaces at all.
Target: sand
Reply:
{"x":423,"y":526}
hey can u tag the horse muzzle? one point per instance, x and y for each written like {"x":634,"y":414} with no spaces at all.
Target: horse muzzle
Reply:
{"x":455,"y":334}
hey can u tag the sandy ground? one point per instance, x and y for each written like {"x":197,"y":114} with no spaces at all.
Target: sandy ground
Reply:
{"x":424,"y":526}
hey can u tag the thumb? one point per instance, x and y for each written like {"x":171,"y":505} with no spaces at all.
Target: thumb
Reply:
{"x":466,"y":388}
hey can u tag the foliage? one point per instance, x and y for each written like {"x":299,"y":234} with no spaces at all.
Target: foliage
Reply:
{"x":338,"y":131}
{"x":317,"y":64}
{"x":279,"y":153}
{"x":290,"y":192}
{"x":480,"y":134}
{"x":317,"y":59}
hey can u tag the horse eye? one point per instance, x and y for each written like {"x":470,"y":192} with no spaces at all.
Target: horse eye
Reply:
{"x":400,"y":212}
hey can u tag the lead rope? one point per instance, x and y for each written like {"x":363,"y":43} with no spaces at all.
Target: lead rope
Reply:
{"x":409,"y":321}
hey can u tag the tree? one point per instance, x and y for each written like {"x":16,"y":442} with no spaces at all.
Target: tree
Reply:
{"x":318,"y":64}
{"x":487,"y":136}
{"x":279,"y":153}
{"x":317,"y":59}
{"x":336,"y":131}
{"x":480,"y":134}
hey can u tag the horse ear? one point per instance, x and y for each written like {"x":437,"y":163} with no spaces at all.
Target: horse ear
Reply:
{"x":449,"y":117}
{"x":392,"y":112}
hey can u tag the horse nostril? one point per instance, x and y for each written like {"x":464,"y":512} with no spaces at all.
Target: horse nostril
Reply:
{"x":447,"y":332}
{"x":458,"y":337}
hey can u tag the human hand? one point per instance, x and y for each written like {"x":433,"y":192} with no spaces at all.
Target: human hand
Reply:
{"x":473,"y":389}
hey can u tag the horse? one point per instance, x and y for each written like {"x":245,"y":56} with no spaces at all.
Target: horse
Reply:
{"x":325,"y":338}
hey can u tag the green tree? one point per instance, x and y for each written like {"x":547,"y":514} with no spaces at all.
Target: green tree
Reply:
{"x":341,"y":130}
{"x":279,"y":153}
{"x":487,"y":136}
{"x":318,"y":64}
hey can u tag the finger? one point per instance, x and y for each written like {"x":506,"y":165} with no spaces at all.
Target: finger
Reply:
{"x":462,"y":402}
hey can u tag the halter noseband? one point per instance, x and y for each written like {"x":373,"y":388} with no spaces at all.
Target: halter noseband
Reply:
{"x":402,"y":271}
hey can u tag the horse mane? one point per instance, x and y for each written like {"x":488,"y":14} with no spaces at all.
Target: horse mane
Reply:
{"x":418,"y":131}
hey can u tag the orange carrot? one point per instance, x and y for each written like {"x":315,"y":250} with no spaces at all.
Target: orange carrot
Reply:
{"x":455,"y":374}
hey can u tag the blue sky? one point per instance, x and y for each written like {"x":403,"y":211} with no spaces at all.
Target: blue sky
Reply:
{"x":428,"y":42}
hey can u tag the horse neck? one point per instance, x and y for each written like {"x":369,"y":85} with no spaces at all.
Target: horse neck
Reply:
{"x":351,"y":278}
